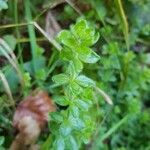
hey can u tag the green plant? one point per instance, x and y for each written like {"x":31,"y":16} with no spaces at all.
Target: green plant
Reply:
{"x":75,"y":124}
{"x":76,"y":70}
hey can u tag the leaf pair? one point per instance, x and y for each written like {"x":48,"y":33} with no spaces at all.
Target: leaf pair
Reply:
{"x":77,"y":44}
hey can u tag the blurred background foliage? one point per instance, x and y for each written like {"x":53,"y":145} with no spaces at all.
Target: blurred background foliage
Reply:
{"x":123,"y":70}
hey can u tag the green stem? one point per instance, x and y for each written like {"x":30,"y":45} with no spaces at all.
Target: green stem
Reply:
{"x":124,"y":22}
{"x":31,"y":31}
{"x":113,"y":129}
{"x":17,"y":30}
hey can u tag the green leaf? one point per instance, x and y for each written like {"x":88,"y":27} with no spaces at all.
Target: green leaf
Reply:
{"x":76,"y":122}
{"x":39,"y":62}
{"x":92,"y":58}
{"x":73,"y":89}
{"x":66,"y":54}
{"x":61,"y":100}
{"x":3,"y":5}
{"x":71,"y":70}
{"x":11,"y":41}
{"x":59,"y":144}
{"x":41,"y":74}
{"x":79,"y":27}
{"x":2,"y":148}
{"x":12,"y":79}
{"x":128,"y":57}
{"x":85,"y":81}
{"x":82,"y":104}
{"x":56,"y":116}
{"x":47,"y":143}
{"x":84,"y":33}
{"x":75,"y":111}
{"x":66,"y":38}
{"x":65,"y":129}
{"x":84,"y":51}
{"x":2,"y":139}
{"x":27,"y":79}
{"x":100,"y":9}
{"x":60,"y":79}
{"x":78,"y":64}
{"x":72,"y":143}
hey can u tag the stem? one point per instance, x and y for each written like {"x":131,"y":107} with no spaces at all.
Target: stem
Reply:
{"x":17,"y":31}
{"x":32,"y":35}
{"x":50,"y":6}
{"x":14,"y":25}
{"x":105,"y":96}
{"x":25,"y":40}
{"x":124,"y":22}
{"x":50,"y":38}
{"x":113,"y":129}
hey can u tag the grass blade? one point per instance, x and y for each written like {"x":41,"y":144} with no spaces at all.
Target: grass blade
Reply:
{"x":31,"y":31}
{"x":6,"y":87}
{"x":124,"y":22}
{"x":5,"y":49}
{"x":113,"y":129}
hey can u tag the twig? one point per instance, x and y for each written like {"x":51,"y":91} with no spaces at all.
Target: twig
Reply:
{"x":74,"y":7}
{"x":50,"y":38}
{"x":50,"y":6}
{"x":14,"y":25}
{"x":105,"y":96}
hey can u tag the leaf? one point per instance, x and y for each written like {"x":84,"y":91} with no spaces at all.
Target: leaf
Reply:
{"x":41,"y":74}
{"x":92,"y":58}
{"x":66,"y":38}
{"x":128,"y":57}
{"x":82,"y":104}
{"x":76,"y":123}
{"x":39,"y":62}
{"x":60,"y":144}
{"x":56,"y":116}
{"x":60,"y":79}
{"x":71,"y":70}
{"x":72,"y":143}
{"x":2,"y":148}
{"x":11,"y":41}
{"x":3,"y":5}
{"x":84,"y":51}
{"x":2,"y":139}
{"x":78,"y":64}
{"x":65,"y":129}
{"x":79,"y":27}
{"x":84,"y":33}
{"x":12,"y":79}
{"x":46,"y":144}
{"x":85,"y":81}
{"x":27,"y":79}
{"x":67,"y":54}
{"x":100,"y":9}
{"x":73,"y":89}
{"x":75,"y":111}
{"x":61,"y":100}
